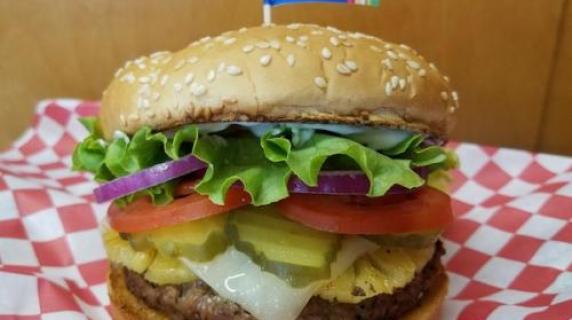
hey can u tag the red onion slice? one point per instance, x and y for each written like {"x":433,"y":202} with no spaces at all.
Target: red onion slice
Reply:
{"x":329,"y":182}
{"x":342,"y":183}
{"x":148,"y":178}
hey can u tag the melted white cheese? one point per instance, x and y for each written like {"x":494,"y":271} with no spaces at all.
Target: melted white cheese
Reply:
{"x":235,"y":277}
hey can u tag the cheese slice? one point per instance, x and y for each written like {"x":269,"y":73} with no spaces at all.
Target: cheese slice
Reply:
{"x":235,"y":277}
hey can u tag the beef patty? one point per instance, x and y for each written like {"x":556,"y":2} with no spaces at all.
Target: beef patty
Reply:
{"x":197,"y":301}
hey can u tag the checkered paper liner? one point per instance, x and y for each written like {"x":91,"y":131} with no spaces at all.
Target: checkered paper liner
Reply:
{"x":509,"y":254}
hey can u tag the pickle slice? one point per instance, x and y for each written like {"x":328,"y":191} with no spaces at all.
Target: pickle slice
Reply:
{"x":199,"y":240}
{"x":119,"y":251}
{"x":297,"y":254}
{"x":168,"y":270}
{"x":407,"y":240}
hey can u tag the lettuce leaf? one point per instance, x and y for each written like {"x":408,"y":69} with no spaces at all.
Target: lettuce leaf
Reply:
{"x":262,"y":165}
{"x":240,"y":160}
{"x":307,"y":160}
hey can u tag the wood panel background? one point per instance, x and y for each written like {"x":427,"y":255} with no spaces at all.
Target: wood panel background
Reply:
{"x":510,"y":60}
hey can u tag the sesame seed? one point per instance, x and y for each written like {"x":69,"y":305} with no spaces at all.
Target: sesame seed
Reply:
{"x":158,"y":54}
{"x":189,"y":78}
{"x":193,"y":60}
{"x":275,"y":44}
{"x":334,"y":41}
{"x":347,"y":44}
{"x":179,"y":64}
{"x":247,"y":48}
{"x":139,"y":60}
{"x":455,"y":96}
{"x":242,"y":30}
{"x":402,"y":84}
{"x":422,"y":72}
{"x":332,"y":29}
{"x":342,"y":37}
{"x":118,"y":72}
{"x":343,"y":69}
{"x":229,"y":41}
{"x":293,"y":26}
{"x":291,"y":60}
{"x":446,"y":78}
{"x":320,"y":82}
{"x":391,"y":54}
{"x":403,"y":56}
{"x":351,"y":65}
{"x":164,"y":79}
{"x":144,"y":80}
{"x":413,"y":65}
{"x":129,"y":77}
{"x":326,"y":53}
{"x":432,"y":65}
{"x":155,"y":96}
{"x":452,"y":109}
{"x":405,"y":47}
{"x":290,"y":39}
{"x":387,"y":63}
{"x":394,"y":82}
{"x":444,"y":95}
{"x":387,"y":46}
{"x":263,"y":45}
{"x":388,"y":89}
{"x":303,"y":38}
{"x":301,"y":44}
{"x":178,"y":87}
{"x":265,"y":59}
{"x":198,"y":89}
{"x":205,"y":39}
{"x":221,"y":67}
{"x":233,"y":70}
{"x":375,"y":49}
{"x":316,"y":32}
{"x":141,"y":66}
{"x":211,"y":75}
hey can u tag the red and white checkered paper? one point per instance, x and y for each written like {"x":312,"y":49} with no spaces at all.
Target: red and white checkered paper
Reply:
{"x":509,"y":254}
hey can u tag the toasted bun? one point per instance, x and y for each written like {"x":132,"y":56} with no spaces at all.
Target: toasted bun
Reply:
{"x":295,"y":73}
{"x":125,"y":306}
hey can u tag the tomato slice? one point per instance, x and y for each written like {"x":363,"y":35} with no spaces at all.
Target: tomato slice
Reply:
{"x":142,"y":215}
{"x":426,"y":209}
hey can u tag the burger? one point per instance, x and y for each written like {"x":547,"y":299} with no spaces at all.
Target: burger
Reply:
{"x":274,"y":173}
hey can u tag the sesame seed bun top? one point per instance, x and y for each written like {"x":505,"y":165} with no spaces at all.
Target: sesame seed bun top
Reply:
{"x":293,"y":73}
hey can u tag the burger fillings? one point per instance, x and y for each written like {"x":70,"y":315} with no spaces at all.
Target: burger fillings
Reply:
{"x":256,"y":118}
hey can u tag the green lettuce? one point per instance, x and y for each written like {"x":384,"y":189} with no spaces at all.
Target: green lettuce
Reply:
{"x":240,"y":159}
{"x":307,"y":160}
{"x":262,"y":166}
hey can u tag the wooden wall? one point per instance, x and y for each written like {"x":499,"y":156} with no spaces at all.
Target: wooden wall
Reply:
{"x":511,"y":60}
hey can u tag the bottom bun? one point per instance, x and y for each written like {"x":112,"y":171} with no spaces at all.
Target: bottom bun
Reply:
{"x":125,"y":306}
